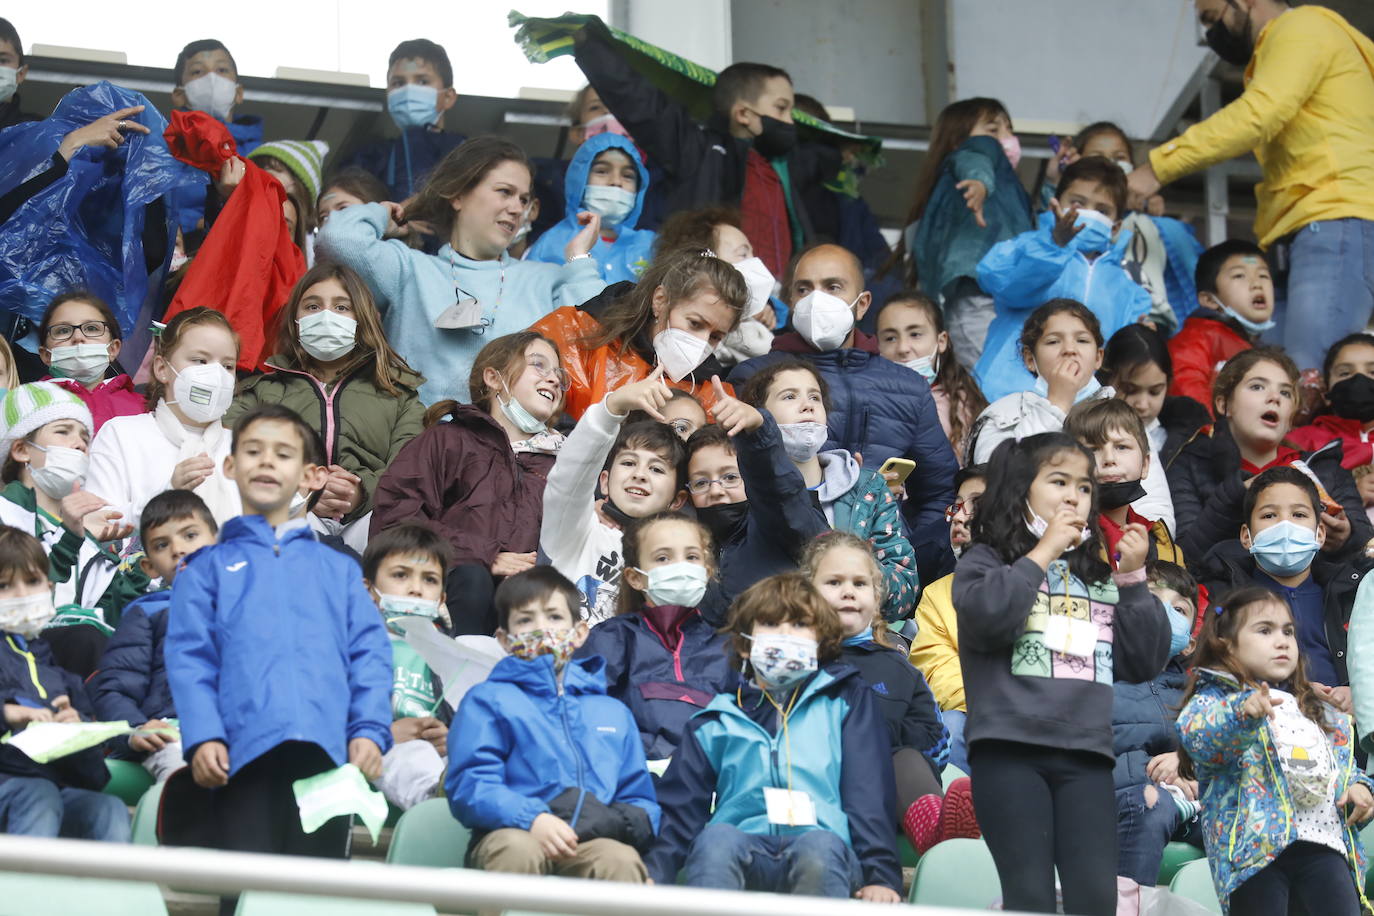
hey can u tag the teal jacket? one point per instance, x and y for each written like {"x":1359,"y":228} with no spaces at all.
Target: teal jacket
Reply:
{"x":413,"y":289}
{"x":1247,"y":812}
{"x":869,"y":510}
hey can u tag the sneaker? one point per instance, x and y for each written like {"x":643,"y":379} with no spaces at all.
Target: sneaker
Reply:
{"x":921,"y":823}
{"x":956,"y":814}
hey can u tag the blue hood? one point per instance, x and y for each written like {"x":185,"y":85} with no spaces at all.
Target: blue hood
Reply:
{"x":575,"y":181}
{"x":581,"y":676}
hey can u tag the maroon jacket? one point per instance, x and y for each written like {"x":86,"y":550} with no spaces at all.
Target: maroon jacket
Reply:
{"x":463,"y":477}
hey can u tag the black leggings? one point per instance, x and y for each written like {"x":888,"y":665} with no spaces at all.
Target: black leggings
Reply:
{"x":1305,"y":878}
{"x":915,"y":777}
{"x":470,"y":588}
{"x":1041,"y":808}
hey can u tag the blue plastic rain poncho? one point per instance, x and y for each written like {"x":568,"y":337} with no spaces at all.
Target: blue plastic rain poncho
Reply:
{"x":86,"y":229}
{"x":630,"y":253}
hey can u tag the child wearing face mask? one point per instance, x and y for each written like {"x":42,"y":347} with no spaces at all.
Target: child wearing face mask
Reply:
{"x":546,"y":769}
{"x":819,"y":822}
{"x":663,"y":659}
{"x":1280,"y":547}
{"x":1136,"y":364}
{"x":968,"y":198}
{"x":911,"y":332}
{"x":853,"y":498}
{"x":403,"y":568}
{"x":1235,"y":305}
{"x":333,"y":365}
{"x":1283,"y":799}
{"x":208,"y":80}
{"x":1061,"y":345}
{"x":935,"y":648}
{"x":1075,"y":253}
{"x":1348,"y":373}
{"x":181,"y":443}
{"x":1126,"y":469}
{"x":45,"y":436}
{"x":1045,"y":628}
{"x":605,"y":177}
{"x":1255,"y":398}
{"x":843,"y":569}
{"x":61,"y":797}
{"x":477,"y":473}
{"x":80,"y":339}
{"x":419,"y":94}
{"x":673,"y":318}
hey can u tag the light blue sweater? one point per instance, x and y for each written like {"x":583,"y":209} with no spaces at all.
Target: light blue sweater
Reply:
{"x":413,"y":289}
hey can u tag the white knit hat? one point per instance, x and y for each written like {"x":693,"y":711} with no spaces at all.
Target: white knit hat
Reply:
{"x":29,"y":407}
{"x":303,"y":158}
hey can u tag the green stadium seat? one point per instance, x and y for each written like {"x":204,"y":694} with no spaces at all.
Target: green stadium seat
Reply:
{"x":1176,"y":855}
{"x":261,"y":903}
{"x":144,"y":830}
{"x":951,"y":773}
{"x":957,"y":873}
{"x":128,"y":780}
{"x":1194,"y":882}
{"x":429,"y":835}
{"x":58,"y":895}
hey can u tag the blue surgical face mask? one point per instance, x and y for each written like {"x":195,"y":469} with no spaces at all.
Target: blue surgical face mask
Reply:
{"x":1042,"y":388}
{"x":413,"y":105}
{"x":1285,"y":549}
{"x":926,"y":366}
{"x":1180,"y":630}
{"x":1096,"y":234}
{"x":612,"y":204}
{"x":517,"y":414}
{"x":682,"y":584}
{"x":1254,"y":327}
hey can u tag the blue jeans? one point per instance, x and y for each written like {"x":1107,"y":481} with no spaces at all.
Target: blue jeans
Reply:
{"x":958,"y":750}
{"x":1330,"y":290}
{"x":32,"y":806}
{"x":1142,"y":832}
{"x":816,"y":863}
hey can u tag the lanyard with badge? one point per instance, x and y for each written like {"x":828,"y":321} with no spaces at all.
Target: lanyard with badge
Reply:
{"x":467,"y":313}
{"x":1066,"y":634}
{"x":786,"y":807}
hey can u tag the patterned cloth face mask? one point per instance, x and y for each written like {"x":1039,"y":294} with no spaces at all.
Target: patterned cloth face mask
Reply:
{"x":531,"y":644}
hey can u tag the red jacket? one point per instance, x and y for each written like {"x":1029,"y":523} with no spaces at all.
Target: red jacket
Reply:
{"x":247,"y":264}
{"x":1200,"y":348}
{"x":114,"y":397}
{"x":1357,"y":449}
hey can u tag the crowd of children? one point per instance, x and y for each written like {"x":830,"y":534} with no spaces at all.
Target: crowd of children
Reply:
{"x":1064,"y":554}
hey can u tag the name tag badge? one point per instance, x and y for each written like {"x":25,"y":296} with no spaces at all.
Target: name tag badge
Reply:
{"x":466,"y":314}
{"x":1071,"y":636}
{"x":789,"y":808}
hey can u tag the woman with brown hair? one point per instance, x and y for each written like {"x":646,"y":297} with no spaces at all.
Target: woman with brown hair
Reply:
{"x":680,"y":310}
{"x":479,"y":477}
{"x":333,"y":366}
{"x":440,"y":309}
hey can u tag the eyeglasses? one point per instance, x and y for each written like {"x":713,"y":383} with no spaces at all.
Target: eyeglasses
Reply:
{"x":967,"y":508}
{"x":545,"y":370}
{"x":728,"y":481}
{"x":89,"y":329}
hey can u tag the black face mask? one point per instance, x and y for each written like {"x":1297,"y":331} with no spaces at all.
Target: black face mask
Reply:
{"x":1115,"y":495}
{"x":615,"y":513}
{"x":1233,"y":47}
{"x":777,"y":138}
{"x":1353,"y":398}
{"x":725,"y":521}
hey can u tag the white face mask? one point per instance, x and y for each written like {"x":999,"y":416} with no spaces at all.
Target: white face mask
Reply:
{"x":84,"y":362}
{"x":613,"y":205}
{"x":1038,"y":526}
{"x":1125,"y":166}
{"x":26,"y":615}
{"x":803,"y":441}
{"x":212,"y":94}
{"x":9,"y":82}
{"x":327,"y":335}
{"x":760,"y":282}
{"x":824,"y":320}
{"x":680,"y":352}
{"x":203,"y":392}
{"x":63,"y":468}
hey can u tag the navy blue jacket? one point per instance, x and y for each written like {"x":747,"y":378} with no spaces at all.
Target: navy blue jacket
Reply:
{"x":880,"y":410}
{"x":665,"y":664}
{"x":273,"y":639}
{"x":1143,"y":717}
{"x":403,"y":163}
{"x":904,"y":700}
{"x":30,"y":677}
{"x":861,"y":750}
{"x":131,"y":682}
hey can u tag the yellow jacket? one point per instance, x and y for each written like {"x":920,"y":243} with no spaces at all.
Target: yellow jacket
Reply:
{"x":1307,"y":113}
{"x":935,"y":652}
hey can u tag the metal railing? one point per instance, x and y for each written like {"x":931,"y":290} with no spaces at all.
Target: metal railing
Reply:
{"x":446,"y":889}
